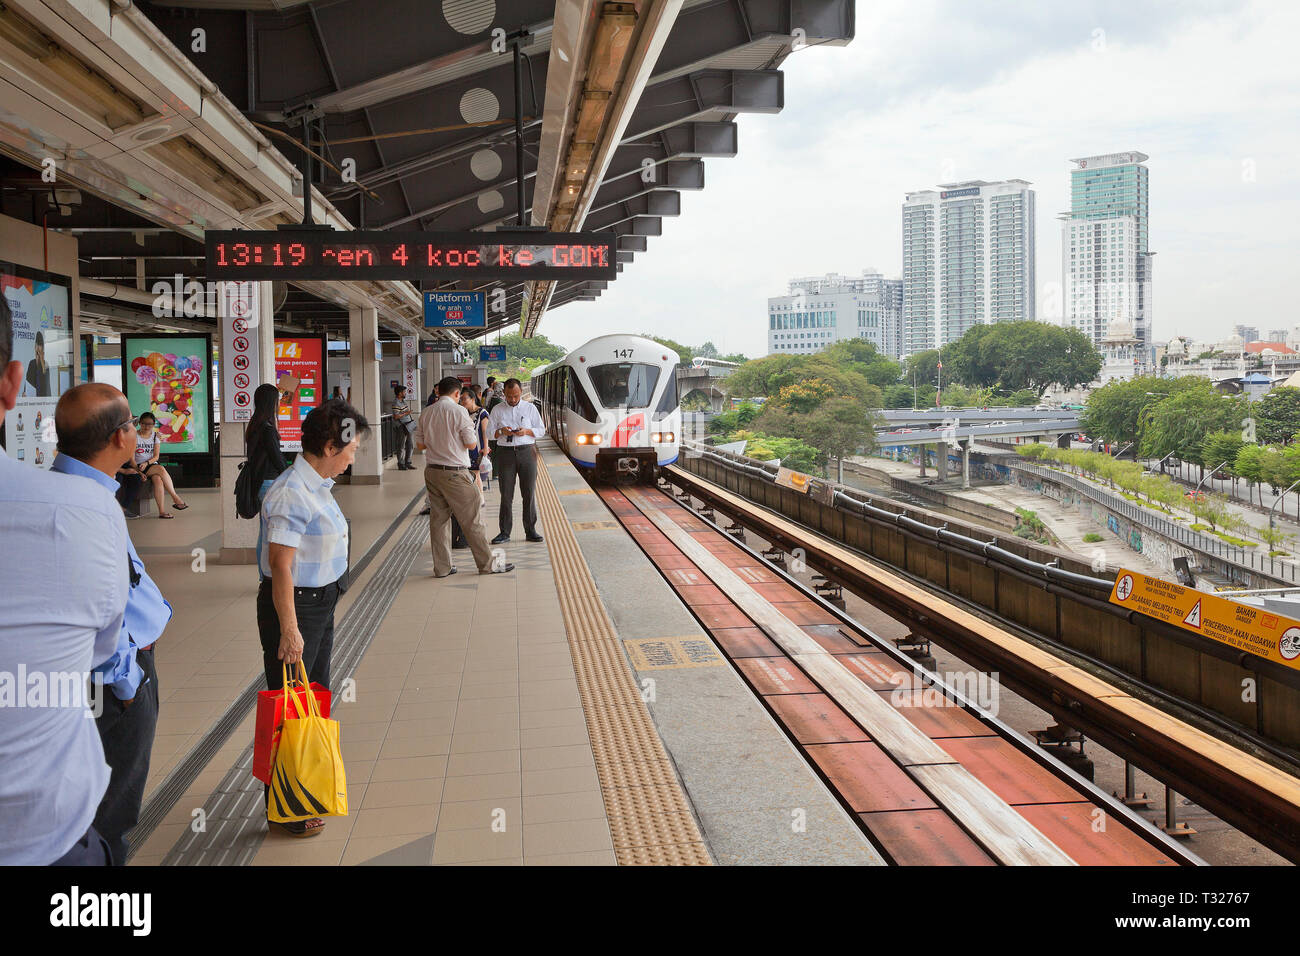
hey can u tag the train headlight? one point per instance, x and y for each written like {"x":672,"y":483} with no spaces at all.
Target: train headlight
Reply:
{"x":661,"y":438}
{"x":588,"y":439}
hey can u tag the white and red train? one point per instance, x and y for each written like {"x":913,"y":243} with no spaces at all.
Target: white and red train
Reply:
{"x":612,"y":405}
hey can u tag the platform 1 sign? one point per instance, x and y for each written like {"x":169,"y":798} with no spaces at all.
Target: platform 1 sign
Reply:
{"x":491,"y":353}
{"x":455,"y":310}
{"x":1251,"y":629}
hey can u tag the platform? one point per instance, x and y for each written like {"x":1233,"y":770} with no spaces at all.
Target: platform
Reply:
{"x":490,"y":719}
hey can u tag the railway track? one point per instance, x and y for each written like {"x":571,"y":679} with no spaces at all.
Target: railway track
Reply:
{"x":930,"y":777}
{"x":1246,"y":791}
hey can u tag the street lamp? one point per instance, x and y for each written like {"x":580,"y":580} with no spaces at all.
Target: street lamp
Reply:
{"x":1124,"y":449}
{"x":1197,"y":489}
{"x":1161,"y":463}
{"x":1271,"y":549}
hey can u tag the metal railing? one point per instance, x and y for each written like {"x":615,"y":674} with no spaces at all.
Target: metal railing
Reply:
{"x":1140,"y":516}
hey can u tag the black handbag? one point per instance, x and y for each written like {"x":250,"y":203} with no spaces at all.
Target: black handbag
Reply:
{"x":247,"y":485}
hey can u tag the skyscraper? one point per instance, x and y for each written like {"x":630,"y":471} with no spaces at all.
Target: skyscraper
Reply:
{"x":1106,"y":264}
{"x":968,"y":259}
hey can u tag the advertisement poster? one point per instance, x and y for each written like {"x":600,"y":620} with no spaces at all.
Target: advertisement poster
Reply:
{"x":171,"y":376}
{"x":300,"y":375}
{"x":43,"y":343}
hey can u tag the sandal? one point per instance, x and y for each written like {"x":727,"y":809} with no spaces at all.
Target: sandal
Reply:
{"x":166,"y":514}
{"x":301,"y":828}
{"x":181,"y":507}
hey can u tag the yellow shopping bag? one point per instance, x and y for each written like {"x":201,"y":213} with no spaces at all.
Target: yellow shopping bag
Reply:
{"x":307,"y":780}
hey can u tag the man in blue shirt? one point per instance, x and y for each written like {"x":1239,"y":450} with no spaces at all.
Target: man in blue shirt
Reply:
{"x":129,"y":714}
{"x":63,"y":587}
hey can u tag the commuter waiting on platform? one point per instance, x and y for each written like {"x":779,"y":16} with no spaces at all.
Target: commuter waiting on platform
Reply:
{"x":477,"y":455}
{"x":129,"y":713}
{"x":147,"y":449}
{"x":262,"y":446}
{"x":406,"y":422}
{"x":304,"y":557}
{"x":516,"y":425}
{"x":68,"y":534}
{"x":446,"y":434}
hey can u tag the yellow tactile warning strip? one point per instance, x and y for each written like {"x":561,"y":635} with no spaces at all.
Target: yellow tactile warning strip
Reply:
{"x":649,"y":818}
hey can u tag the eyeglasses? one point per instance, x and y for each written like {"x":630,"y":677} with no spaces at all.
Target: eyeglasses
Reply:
{"x":133,"y":420}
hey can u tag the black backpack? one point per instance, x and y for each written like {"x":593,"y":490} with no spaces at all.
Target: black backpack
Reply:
{"x":247,"y":485}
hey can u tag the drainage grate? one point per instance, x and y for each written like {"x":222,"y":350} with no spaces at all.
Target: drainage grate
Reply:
{"x":179,"y":780}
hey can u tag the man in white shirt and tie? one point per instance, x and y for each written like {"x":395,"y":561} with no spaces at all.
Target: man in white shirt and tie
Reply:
{"x":516,"y":425}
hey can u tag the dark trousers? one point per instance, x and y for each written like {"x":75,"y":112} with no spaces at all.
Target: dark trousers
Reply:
{"x":90,"y":850}
{"x":511,"y":462}
{"x":127,"y":734}
{"x":405,"y":445}
{"x":315,"y":610}
{"x":128,"y":492}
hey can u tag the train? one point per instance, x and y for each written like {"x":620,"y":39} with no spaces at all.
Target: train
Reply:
{"x":612,"y":405}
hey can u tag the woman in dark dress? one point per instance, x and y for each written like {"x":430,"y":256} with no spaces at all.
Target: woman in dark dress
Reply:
{"x":262,"y":447}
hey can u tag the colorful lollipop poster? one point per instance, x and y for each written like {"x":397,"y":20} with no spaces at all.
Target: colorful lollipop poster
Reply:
{"x":171,"y":376}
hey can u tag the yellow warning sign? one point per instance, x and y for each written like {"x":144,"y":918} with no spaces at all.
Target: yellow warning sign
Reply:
{"x":793,"y":479}
{"x":659,"y":653}
{"x":1250,"y":629}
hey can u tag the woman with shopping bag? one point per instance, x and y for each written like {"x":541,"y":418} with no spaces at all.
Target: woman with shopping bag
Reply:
{"x":304,"y":558}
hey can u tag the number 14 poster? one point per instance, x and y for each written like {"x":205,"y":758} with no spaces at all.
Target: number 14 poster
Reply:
{"x":300,"y":376}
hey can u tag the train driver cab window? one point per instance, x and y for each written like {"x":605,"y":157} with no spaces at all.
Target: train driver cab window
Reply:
{"x":669,"y":400}
{"x":578,"y":402}
{"x":630,"y":384}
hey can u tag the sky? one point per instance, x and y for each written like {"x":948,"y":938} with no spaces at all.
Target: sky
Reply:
{"x":933,"y":91}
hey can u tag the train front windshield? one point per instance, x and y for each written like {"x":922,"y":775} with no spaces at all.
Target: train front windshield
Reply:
{"x":624,"y":384}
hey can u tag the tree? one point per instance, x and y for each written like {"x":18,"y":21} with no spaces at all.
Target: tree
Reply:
{"x":837,"y":427}
{"x":735,"y":419}
{"x":707,"y":350}
{"x":522,"y":353}
{"x":1016,"y":356}
{"x":1250,"y":466}
{"x":861,"y":356}
{"x":1277,"y":416}
{"x":1221,"y":449}
{"x":921,"y":367}
{"x":1115,"y":411}
{"x":1180,"y":422}
{"x":683,"y":351}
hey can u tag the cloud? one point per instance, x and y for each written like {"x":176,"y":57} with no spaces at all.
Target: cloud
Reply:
{"x":931,"y":93}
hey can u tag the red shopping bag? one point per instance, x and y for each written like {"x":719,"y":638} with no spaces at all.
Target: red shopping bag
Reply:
{"x":270,"y":719}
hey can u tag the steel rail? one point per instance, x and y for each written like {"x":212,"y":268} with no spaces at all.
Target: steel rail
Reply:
{"x":1247,"y":796}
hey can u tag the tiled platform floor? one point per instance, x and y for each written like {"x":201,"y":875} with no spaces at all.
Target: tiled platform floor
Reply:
{"x":466,"y":742}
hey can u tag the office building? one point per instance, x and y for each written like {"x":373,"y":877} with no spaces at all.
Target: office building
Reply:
{"x":968,"y":259}
{"x":821,"y":310}
{"x":1106,"y":263}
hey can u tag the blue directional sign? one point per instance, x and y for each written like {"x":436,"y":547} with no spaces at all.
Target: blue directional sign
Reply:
{"x":455,"y":310}
{"x":491,"y":353}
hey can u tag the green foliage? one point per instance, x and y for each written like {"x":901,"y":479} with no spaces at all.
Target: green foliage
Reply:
{"x":792,"y":452}
{"x":683,"y":351}
{"x":1221,"y":448}
{"x":727,"y":422}
{"x":1016,"y":356}
{"x":1092,"y":537}
{"x":837,"y":427}
{"x":1179,"y":423}
{"x":923,"y":367}
{"x":1277,"y":416}
{"x":861,"y":356}
{"x":1030,"y":526}
{"x":1115,"y":411}
{"x":524,"y":354}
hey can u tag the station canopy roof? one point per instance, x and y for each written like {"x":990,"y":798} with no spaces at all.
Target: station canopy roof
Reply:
{"x":175,"y":118}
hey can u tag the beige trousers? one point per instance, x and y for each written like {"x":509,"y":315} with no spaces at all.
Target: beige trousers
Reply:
{"x":454,"y":492}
